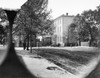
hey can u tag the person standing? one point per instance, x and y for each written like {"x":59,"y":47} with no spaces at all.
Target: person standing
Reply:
{"x":24,"y":45}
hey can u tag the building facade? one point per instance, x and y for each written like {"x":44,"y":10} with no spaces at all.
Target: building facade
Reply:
{"x":61,"y":25}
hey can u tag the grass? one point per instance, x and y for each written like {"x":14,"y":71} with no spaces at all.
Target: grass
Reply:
{"x":78,"y":56}
{"x":68,"y":60}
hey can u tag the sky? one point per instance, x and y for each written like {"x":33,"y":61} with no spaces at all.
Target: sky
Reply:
{"x":72,"y":7}
{"x":58,"y":7}
{"x":11,"y":4}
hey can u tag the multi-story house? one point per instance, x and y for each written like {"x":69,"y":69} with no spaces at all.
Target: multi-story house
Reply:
{"x":62,"y":24}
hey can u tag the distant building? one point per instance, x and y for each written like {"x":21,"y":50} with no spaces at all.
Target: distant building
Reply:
{"x":62,"y":24}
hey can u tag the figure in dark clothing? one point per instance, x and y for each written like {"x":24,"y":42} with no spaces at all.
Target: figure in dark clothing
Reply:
{"x":24,"y":45}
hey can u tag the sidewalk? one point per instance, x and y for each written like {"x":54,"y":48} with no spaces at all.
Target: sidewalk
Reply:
{"x":18,"y":48}
{"x":77,"y":48}
{"x":39,"y":67}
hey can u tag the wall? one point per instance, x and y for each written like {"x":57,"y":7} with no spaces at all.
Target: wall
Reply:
{"x":84,"y":43}
{"x":67,"y":20}
{"x":61,"y":28}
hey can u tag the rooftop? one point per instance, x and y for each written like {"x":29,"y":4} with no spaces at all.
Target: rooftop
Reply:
{"x":64,"y":15}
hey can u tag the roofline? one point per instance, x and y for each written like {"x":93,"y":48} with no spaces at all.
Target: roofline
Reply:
{"x":64,"y":16}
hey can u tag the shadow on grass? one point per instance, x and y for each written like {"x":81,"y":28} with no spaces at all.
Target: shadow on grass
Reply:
{"x":76,"y":58}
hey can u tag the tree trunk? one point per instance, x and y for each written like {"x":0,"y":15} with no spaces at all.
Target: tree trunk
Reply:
{"x":90,"y":43}
{"x":35,"y":39}
{"x":79,"y":42}
{"x":91,"y":40}
{"x":28,"y":42}
{"x":98,"y":44}
{"x":10,"y":34}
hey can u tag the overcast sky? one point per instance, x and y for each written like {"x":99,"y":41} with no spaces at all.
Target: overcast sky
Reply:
{"x":12,"y":4}
{"x":73,"y":7}
{"x":58,"y":7}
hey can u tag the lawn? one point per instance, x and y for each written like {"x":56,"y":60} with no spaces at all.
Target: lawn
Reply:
{"x":68,"y":60}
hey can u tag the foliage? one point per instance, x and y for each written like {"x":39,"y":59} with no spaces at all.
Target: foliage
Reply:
{"x":3,"y":26}
{"x":72,"y":34}
{"x":87,"y":26}
{"x":33,"y":16}
{"x":32,"y":19}
{"x":97,"y":14}
{"x":48,"y":28}
{"x":3,"y":16}
{"x":2,"y":34}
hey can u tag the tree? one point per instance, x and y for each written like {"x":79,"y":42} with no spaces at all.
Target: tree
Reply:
{"x":87,"y":26}
{"x":31,"y":19}
{"x":3,"y":26}
{"x":97,"y":17}
{"x":3,"y":34}
{"x":72,"y":34}
{"x":47,"y":27}
{"x":80,"y":23}
{"x":3,"y":16}
{"x":91,"y":24}
{"x":97,"y":14}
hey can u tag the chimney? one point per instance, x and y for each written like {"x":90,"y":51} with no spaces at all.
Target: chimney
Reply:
{"x":67,"y":14}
